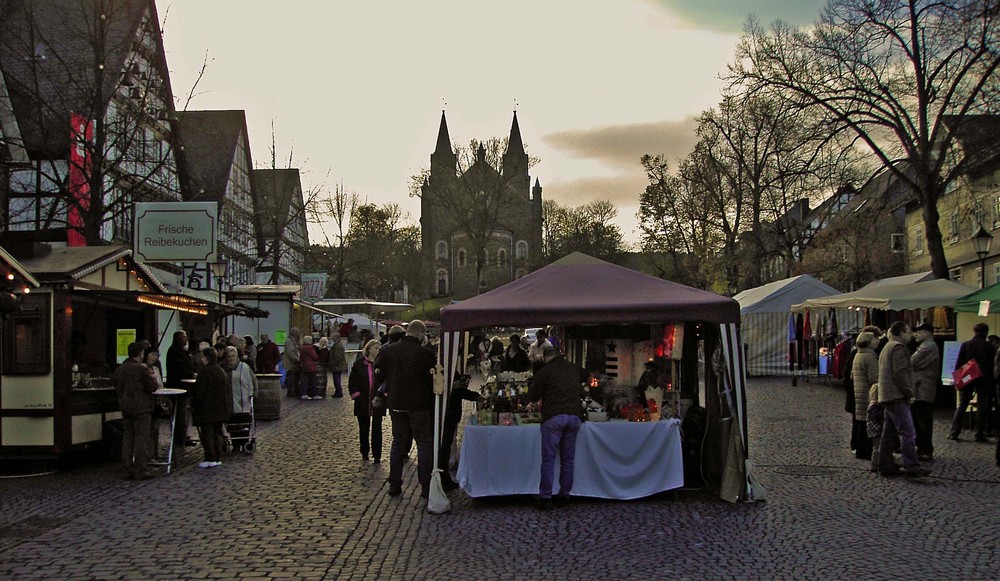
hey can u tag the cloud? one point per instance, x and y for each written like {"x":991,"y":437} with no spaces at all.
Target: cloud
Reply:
{"x":621,"y":146}
{"x":722,"y":16}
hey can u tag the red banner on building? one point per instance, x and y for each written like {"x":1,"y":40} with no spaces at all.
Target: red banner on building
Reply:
{"x":80,"y":166}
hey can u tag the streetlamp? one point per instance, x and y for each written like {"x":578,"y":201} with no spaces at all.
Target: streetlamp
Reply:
{"x":219,"y":270}
{"x":981,"y":242}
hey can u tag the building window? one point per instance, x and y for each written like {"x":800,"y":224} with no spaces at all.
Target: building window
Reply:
{"x":996,"y":212}
{"x":953,"y":227}
{"x":442,"y":249}
{"x":896,"y":243}
{"x":996,"y":272}
{"x":918,"y":240}
{"x":980,"y":216}
{"x":502,"y":258}
{"x":521,"y":250}
{"x":955,"y":274}
{"x":461,"y":257}
{"x":442,"y":282}
{"x":979,"y":277}
{"x":26,"y":348}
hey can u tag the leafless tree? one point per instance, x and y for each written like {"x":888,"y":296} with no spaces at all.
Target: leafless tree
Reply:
{"x":894,"y":73}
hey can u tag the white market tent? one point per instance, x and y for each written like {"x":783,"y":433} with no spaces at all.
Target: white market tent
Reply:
{"x":902,"y":279}
{"x":764,"y":311}
{"x":894,"y":297}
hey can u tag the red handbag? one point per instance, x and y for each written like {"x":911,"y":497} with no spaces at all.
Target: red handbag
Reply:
{"x":966,"y":374}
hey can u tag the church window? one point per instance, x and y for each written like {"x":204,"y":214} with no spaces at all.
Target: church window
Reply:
{"x":502,"y":258}
{"x":461,"y":257}
{"x":442,"y":249}
{"x":442,"y":281}
{"x":521,"y":250}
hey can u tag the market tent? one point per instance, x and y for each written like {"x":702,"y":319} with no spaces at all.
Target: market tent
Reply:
{"x":895,"y":297}
{"x":582,"y":290}
{"x":970,"y":302}
{"x":764,"y":312}
{"x":902,"y":279}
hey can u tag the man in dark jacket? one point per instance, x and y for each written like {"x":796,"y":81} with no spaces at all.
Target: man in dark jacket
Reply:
{"x":405,"y":370}
{"x":135,"y":386}
{"x":557,"y":385}
{"x":982,"y":351}
{"x":180,"y":366}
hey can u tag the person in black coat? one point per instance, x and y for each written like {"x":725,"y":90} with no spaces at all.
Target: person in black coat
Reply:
{"x":210,"y":407}
{"x":361,"y":385}
{"x":983,"y":352}
{"x":180,"y":366}
{"x":515,"y":358}
{"x":406,"y":370}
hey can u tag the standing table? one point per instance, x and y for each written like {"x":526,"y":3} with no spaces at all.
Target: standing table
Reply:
{"x":171,"y":396}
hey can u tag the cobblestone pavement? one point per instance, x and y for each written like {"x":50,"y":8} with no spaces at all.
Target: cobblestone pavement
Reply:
{"x":305,"y":506}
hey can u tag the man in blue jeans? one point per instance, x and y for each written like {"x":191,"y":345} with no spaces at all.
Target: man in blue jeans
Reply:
{"x":557,"y":384}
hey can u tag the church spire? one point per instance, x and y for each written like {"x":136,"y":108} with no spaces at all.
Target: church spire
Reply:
{"x":514,"y":143}
{"x":444,"y":140}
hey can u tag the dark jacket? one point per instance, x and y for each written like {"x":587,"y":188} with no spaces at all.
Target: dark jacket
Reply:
{"x":135,"y":386}
{"x":179,"y":366}
{"x":358,"y":382}
{"x":518,"y":363}
{"x":210,"y":396}
{"x":268,"y":357}
{"x":982,"y":351}
{"x":405,"y":369}
{"x":557,"y":385}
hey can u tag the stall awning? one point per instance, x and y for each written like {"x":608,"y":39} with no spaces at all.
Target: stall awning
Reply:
{"x":315,"y":308}
{"x":894,"y":297}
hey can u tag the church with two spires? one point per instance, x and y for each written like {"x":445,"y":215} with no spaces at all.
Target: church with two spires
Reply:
{"x":480,"y":221}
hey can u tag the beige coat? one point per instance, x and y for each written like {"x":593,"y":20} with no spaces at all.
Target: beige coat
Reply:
{"x":864,"y":373}
{"x":926,"y":362}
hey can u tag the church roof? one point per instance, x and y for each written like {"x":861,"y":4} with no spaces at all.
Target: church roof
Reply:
{"x":444,"y":140}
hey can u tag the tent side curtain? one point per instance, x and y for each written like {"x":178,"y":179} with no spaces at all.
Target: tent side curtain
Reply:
{"x":732,"y":386}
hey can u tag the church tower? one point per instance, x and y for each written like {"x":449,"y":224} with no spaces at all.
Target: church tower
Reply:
{"x":459,"y":263}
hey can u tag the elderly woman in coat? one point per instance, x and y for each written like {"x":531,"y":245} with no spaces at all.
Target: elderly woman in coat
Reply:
{"x":210,"y":403}
{"x":361,"y":386}
{"x":864,"y":373}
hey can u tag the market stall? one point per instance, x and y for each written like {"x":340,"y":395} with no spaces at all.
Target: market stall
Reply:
{"x":61,"y":344}
{"x":616,"y":319}
{"x":764,"y":312}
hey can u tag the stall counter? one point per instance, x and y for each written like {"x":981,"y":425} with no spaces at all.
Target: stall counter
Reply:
{"x":614,"y":460}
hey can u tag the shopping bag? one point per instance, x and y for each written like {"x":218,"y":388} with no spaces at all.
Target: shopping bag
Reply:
{"x":966,"y":374}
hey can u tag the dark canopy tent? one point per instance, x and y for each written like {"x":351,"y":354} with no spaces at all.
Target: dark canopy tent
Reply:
{"x":579,"y":291}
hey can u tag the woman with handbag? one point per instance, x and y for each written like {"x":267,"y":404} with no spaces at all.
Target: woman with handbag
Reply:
{"x":361,"y":386}
{"x":980,"y":350}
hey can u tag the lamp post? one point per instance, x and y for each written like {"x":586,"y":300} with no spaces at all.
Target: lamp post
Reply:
{"x":219,"y":270}
{"x":981,"y":242}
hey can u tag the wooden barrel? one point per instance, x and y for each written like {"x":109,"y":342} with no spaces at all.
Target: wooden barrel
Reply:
{"x":267,"y":405}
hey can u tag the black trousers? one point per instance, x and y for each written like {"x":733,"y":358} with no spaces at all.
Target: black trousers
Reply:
{"x":923,"y":423}
{"x":370,"y":430}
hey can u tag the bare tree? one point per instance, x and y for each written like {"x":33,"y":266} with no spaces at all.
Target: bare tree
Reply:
{"x":894,"y":73}
{"x":90,"y":88}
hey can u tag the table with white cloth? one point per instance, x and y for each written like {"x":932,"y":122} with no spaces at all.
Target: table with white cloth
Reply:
{"x":616,"y":460}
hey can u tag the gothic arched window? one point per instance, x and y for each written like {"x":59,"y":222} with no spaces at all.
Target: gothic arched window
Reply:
{"x":442,"y":281}
{"x":521,"y":249}
{"x":502,"y":257}
{"x":461,"y":257}
{"x":442,"y":249}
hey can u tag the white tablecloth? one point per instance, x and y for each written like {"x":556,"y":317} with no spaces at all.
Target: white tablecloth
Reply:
{"x":617,"y":460}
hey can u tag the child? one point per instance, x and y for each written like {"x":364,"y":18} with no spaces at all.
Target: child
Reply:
{"x":875,"y":419}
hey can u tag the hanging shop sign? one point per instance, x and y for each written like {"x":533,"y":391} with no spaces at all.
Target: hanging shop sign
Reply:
{"x":313,"y":286}
{"x":176,"y":231}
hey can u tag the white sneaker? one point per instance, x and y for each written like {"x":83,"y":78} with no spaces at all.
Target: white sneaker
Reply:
{"x":317,"y":397}
{"x":305,"y":397}
{"x":214,"y":464}
{"x":206,"y":464}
